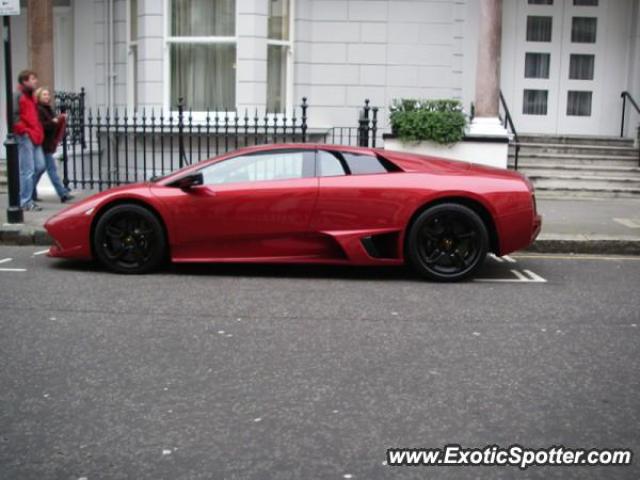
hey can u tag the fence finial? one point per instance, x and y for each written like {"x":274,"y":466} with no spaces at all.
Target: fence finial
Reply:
{"x":303,"y":127}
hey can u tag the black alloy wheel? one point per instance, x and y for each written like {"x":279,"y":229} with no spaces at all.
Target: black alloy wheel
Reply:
{"x":447,"y":243}
{"x":129,"y":238}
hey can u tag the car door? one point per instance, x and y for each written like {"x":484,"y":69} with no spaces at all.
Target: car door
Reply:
{"x":256,"y":205}
{"x":355,"y":192}
{"x":357,"y":200}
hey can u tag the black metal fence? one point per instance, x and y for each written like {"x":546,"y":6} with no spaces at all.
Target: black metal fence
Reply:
{"x":104,"y":148}
{"x":73,"y":104}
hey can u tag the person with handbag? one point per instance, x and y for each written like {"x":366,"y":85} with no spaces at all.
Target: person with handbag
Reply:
{"x":53,"y":126}
{"x":28,"y":129}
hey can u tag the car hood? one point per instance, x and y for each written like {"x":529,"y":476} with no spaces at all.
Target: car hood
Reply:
{"x":97,"y":199}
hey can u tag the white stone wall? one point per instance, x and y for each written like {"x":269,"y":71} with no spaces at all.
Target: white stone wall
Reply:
{"x":344,"y":51}
{"x":349,"y":50}
{"x":633,"y":118}
{"x":151,"y":50}
{"x":102,"y":45}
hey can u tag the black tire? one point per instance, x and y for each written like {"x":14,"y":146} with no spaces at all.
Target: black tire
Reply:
{"x":447,"y":243}
{"x":129,"y":238}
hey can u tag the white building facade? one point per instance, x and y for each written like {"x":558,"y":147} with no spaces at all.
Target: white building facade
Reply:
{"x":564,"y":63}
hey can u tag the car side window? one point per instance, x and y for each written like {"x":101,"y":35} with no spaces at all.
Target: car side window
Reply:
{"x":363,"y":164}
{"x":329,"y":165}
{"x":260,"y":167}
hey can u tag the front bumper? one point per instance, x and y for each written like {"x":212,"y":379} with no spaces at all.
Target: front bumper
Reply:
{"x":71,"y":235}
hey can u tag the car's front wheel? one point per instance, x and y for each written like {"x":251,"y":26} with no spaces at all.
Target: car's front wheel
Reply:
{"x":447,"y":243}
{"x":129,"y":238}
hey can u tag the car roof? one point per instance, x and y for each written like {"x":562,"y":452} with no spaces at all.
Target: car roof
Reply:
{"x":304,"y":146}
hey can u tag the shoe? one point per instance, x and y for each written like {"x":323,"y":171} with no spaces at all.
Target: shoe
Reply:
{"x":33,"y":207}
{"x":66,"y":198}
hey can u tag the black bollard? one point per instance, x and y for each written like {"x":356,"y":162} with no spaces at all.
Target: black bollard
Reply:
{"x":14,"y":212}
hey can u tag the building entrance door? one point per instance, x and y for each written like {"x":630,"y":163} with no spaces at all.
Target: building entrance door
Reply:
{"x":560,"y":73}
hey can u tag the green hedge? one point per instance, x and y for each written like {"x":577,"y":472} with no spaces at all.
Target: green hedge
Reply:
{"x":441,"y":121}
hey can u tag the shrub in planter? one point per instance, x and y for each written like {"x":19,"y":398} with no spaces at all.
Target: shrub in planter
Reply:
{"x":441,"y":121}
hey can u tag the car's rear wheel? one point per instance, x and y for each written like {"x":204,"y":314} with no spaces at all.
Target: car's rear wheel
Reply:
{"x":447,"y":243}
{"x":129,"y":238}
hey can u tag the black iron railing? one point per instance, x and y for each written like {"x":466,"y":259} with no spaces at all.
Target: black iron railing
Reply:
{"x":627,"y":96}
{"x":507,"y":121}
{"x":366,"y":134}
{"x":73,"y":104}
{"x":104,"y":148}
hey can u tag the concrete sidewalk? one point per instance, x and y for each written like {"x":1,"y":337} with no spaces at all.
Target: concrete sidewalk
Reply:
{"x":603,"y":226}
{"x":32,"y":231}
{"x":598,"y":226}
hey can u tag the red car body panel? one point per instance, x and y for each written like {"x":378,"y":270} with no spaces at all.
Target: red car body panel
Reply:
{"x":309,"y":220}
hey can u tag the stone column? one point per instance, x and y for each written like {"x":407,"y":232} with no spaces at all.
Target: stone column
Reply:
{"x":486,"y":120}
{"x":40,"y":39}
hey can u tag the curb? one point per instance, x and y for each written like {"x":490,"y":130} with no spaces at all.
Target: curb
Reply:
{"x":24,"y":235}
{"x":608,"y":246}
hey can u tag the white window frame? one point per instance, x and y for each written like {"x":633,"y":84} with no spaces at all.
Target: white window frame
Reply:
{"x":289,"y":106}
{"x":169,"y":40}
{"x":132,"y":60}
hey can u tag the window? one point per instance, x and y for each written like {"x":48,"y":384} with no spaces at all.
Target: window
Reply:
{"x":535,"y":102}
{"x":540,"y":2}
{"x":261,"y":167}
{"x":585,"y":3}
{"x":579,"y":104}
{"x":581,"y":67}
{"x":539,"y":29}
{"x":536,"y":65}
{"x":583,"y":29}
{"x":359,"y":164}
{"x":329,"y":165}
{"x":278,"y":54}
{"x":202,"y":49}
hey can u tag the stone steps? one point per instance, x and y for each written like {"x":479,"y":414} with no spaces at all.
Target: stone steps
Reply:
{"x":573,"y":140}
{"x":560,"y":159}
{"x":549,"y":170}
{"x":560,"y":149}
{"x":583,"y":191}
{"x":579,"y":165}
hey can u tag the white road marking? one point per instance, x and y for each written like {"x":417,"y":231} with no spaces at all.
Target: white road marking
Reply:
{"x":519,"y":277}
{"x":505,"y":258}
{"x":13,"y":269}
{"x":5,"y":260}
{"x":628,"y":222}
{"x":550,"y":256}
{"x":535,"y":277}
{"x":41,"y":252}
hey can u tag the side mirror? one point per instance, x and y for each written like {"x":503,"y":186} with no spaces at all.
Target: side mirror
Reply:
{"x":185,"y":183}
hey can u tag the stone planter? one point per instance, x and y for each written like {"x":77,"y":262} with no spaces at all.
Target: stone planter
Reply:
{"x":485,"y":150}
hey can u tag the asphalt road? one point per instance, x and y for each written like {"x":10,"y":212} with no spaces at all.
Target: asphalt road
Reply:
{"x":246,"y":372}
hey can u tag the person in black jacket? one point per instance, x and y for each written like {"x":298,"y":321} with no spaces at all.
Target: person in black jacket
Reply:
{"x":51,"y":124}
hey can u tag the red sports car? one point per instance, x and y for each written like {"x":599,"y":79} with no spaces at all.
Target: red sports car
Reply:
{"x":307,"y":203}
